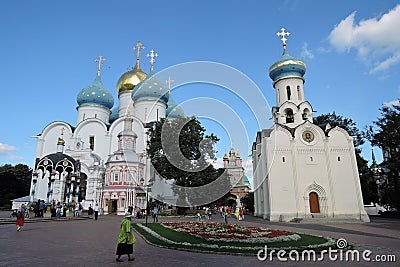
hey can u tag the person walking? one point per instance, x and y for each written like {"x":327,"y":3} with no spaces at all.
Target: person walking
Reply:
{"x":241,"y":215}
{"x":126,"y":239}
{"x":20,"y":218}
{"x":42,"y":207}
{"x":96,"y":211}
{"x":237,"y":215}
{"x":155,"y":214}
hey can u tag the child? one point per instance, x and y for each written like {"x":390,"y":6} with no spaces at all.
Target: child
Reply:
{"x":198,"y":216}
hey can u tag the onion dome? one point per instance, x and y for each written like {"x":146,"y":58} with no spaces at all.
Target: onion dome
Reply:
{"x":174,"y":111}
{"x":95,"y":94}
{"x":225,"y":157}
{"x":287,"y":67}
{"x":114,"y":115}
{"x":246,"y":180}
{"x":150,"y":89}
{"x":130,"y":79}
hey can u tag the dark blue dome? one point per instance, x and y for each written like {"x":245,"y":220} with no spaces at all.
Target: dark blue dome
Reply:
{"x":95,"y":94}
{"x":150,"y":89}
{"x":114,"y":115}
{"x":287,"y":66}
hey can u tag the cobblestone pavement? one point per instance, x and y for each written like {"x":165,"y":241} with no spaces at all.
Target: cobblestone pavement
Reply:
{"x":92,"y":243}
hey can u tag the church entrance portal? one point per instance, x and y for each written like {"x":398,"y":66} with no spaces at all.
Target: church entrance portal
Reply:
{"x":314,"y":202}
{"x":112,"y":206}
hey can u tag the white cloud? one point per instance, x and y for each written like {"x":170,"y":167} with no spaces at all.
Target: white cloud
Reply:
{"x":4,"y":148}
{"x":305,"y":52}
{"x":384,"y":65}
{"x":376,"y":40}
{"x":392,"y":103}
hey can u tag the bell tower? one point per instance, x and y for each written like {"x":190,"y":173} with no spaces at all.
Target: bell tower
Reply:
{"x":287,"y":75}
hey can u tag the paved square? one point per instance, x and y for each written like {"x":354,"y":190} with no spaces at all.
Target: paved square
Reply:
{"x":93,"y":243}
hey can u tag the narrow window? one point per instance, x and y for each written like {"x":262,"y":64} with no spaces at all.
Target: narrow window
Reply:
{"x":83,"y":116}
{"x":289,"y":93}
{"x":338,"y":158}
{"x":95,"y":115}
{"x":311,"y":159}
{"x":298,"y":92}
{"x":283,"y":159}
{"x":91,"y":142}
{"x":116,"y":177}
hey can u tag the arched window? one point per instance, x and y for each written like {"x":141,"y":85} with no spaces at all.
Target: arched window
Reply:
{"x":283,"y":159}
{"x":289,"y":93}
{"x":306,"y":111}
{"x":289,"y":115}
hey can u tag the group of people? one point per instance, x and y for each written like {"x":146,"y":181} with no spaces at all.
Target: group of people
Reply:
{"x":226,"y":212}
{"x":58,"y":209}
{"x":39,"y":208}
{"x":95,"y":210}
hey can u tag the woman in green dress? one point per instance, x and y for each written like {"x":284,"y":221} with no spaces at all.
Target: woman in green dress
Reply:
{"x":125,"y":239}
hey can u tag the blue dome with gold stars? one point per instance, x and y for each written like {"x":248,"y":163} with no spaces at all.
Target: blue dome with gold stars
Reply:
{"x":174,"y":111}
{"x":150,"y":89}
{"x":287,"y":67}
{"x":96,"y":94}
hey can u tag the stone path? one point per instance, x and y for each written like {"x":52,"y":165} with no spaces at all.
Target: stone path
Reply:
{"x":93,"y":243}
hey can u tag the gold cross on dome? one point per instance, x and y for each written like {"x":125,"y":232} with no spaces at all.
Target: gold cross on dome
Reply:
{"x":152,"y":55}
{"x":283,"y":34}
{"x":137,"y":47}
{"x":169,"y":81}
{"x":99,"y":64}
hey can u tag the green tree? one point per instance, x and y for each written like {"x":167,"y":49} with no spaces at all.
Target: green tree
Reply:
{"x":248,"y":202}
{"x":180,"y":150}
{"x":14,"y":183}
{"x":385,"y":133}
{"x":367,"y":181}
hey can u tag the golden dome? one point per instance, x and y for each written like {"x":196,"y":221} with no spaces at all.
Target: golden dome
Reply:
{"x":130,"y":79}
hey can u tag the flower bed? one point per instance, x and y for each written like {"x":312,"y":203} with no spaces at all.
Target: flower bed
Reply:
{"x":182,"y":236}
{"x":231,"y":233}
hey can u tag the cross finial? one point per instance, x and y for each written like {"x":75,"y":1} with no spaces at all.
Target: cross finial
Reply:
{"x":283,"y":34}
{"x":169,"y":81}
{"x":152,"y":55}
{"x":137,"y":47}
{"x":99,"y":64}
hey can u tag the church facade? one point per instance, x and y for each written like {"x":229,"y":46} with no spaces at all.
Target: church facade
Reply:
{"x":302,"y":170}
{"x":101,"y":159}
{"x":233,"y":165}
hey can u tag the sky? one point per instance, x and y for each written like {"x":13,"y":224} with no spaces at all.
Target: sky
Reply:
{"x":48,"y":51}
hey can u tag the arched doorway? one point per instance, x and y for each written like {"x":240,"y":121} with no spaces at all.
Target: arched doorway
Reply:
{"x":314,"y":202}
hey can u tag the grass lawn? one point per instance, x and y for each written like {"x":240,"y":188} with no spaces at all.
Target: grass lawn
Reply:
{"x":190,"y":242}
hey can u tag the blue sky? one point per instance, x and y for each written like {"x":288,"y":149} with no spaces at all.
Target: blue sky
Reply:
{"x":48,"y":51}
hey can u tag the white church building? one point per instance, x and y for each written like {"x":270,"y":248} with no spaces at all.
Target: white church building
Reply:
{"x":302,"y":170}
{"x":102,"y":157}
